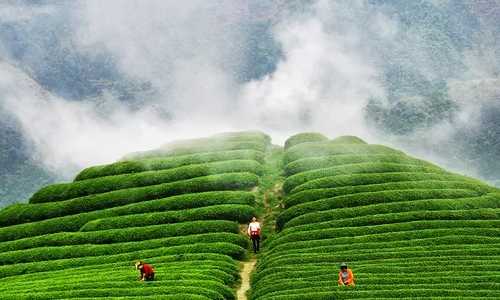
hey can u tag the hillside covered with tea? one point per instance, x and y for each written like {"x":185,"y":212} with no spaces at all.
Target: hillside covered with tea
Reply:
{"x":406,"y":227}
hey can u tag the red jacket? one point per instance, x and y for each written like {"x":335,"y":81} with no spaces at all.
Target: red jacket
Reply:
{"x":147,"y":269}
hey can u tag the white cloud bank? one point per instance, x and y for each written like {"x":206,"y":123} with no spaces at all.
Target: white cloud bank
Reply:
{"x":189,"y":53}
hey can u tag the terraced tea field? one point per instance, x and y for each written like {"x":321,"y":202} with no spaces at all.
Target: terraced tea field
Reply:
{"x":406,"y":227}
{"x":178,"y":208}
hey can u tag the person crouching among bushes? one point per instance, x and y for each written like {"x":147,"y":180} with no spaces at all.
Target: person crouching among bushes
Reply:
{"x":346,"y":278}
{"x":254,"y":234}
{"x":147,"y":272}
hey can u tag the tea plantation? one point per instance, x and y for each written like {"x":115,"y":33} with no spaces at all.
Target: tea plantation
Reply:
{"x":178,"y":208}
{"x":406,"y":227}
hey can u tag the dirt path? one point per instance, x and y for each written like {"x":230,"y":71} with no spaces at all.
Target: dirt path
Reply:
{"x":245,"y":279}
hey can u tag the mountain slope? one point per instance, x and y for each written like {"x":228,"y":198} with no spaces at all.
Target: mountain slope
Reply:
{"x":178,"y":208}
{"x":407,"y":228}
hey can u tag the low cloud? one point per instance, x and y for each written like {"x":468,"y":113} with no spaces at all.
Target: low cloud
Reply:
{"x":191,"y":55}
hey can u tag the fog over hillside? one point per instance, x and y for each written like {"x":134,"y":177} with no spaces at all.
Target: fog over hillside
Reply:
{"x":86,"y":82}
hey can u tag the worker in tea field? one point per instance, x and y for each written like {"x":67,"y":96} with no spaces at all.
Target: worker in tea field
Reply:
{"x":254,"y":234}
{"x":147,"y":272}
{"x":346,"y":278}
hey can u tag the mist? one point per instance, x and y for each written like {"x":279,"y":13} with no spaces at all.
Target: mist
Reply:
{"x":176,"y":71}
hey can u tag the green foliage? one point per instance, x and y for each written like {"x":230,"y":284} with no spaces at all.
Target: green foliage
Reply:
{"x":179,"y":207}
{"x":348,"y":139}
{"x":376,"y":178}
{"x":413,"y":226}
{"x":222,"y":142}
{"x":132,"y":233}
{"x":304,"y":137}
{"x":46,"y":291}
{"x":312,"y":163}
{"x":88,"y":268}
{"x":83,"y":250}
{"x":115,"y":292}
{"x":331,"y":148}
{"x":318,"y":194}
{"x":36,"y":212}
{"x":376,"y":242}
{"x":360,"y":168}
{"x":387,"y":215}
{"x":65,"y":191}
{"x":487,"y":201}
{"x":75,"y":222}
{"x":239,"y":213}
{"x":178,"y":211}
{"x":198,"y":147}
{"x":369,"y":198}
{"x":229,"y":249}
{"x":400,"y":217}
{"x":104,"y":237}
{"x":154,"y":164}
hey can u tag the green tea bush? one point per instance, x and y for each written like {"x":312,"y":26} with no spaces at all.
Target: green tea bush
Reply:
{"x":269,"y":284}
{"x":277,"y":274}
{"x":348,"y":139}
{"x":118,"y":263}
{"x":399,"y":261}
{"x":318,"y":194}
{"x":197,"y":147}
{"x":229,"y":249}
{"x":190,"y":271}
{"x":313,"y":163}
{"x":368,"y":198}
{"x":154,"y":164}
{"x":243,"y":135}
{"x":75,"y":222}
{"x":399,"y":217}
{"x":221,"y":289}
{"x":65,"y":191}
{"x":390,"y":237}
{"x":73,"y":251}
{"x":36,"y":212}
{"x":376,"y":178}
{"x":486,"y":201}
{"x":304,"y":138}
{"x":361,"y":168}
{"x":333,"y":259}
{"x":329,"y":285}
{"x":216,"y":286}
{"x":306,"y":150}
{"x":139,"y":291}
{"x":402,"y":293}
{"x":323,"y":233}
{"x":339,"y":244}
{"x":80,"y":238}
{"x":176,"y":296}
{"x":125,"y":234}
{"x":239,"y":213}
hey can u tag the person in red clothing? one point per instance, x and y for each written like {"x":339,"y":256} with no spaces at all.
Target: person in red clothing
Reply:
{"x":147,"y":271}
{"x":346,"y":278}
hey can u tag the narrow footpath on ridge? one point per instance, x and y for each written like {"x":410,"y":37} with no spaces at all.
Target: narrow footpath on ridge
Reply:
{"x":268,"y":205}
{"x":245,"y":272}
